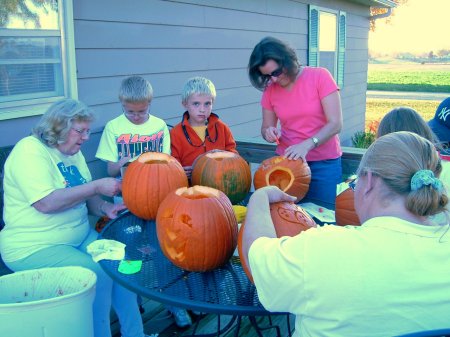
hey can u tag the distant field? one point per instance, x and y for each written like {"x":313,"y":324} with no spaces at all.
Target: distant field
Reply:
{"x":409,"y":77}
{"x":376,"y":108}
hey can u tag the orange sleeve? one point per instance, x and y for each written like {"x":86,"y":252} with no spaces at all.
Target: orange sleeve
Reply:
{"x":230,"y":143}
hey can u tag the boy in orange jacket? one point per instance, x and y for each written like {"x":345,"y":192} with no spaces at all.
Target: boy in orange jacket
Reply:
{"x":200,"y":129}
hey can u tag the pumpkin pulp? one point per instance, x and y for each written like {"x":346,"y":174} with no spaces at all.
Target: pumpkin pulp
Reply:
{"x":281,"y":178}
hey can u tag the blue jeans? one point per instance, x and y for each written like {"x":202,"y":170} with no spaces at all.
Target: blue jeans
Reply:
{"x":325,"y":175}
{"x":107,"y":292}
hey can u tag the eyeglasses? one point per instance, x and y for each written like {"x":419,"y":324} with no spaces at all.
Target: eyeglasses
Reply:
{"x":275,"y":73}
{"x":136,"y":114}
{"x":352,"y":183}
{"x":82,"y":132}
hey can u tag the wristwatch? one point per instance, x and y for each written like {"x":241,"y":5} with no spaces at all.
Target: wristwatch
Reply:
{"x":315,"y":141}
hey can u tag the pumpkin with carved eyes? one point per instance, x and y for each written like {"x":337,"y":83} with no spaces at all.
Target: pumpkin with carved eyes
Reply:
{"x":288,"y":218}
{"x":196,"y":228}
{"x":148,"y":180}
{"x":225,"y":171}
{"x":345,"y":209}
{"x":290,"y":176}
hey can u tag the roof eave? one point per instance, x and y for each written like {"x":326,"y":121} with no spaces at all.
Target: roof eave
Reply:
{"x":378,"y":3}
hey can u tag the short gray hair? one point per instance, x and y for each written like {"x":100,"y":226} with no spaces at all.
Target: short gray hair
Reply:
{"x":198,"y":85}
{"x":55,"y":124}
{"x":135,"y":89}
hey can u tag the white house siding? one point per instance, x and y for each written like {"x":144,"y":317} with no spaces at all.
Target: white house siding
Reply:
{"x":168,"y":42}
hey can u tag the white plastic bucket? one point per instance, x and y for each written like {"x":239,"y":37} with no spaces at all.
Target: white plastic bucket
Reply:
{"x":47,"y":302}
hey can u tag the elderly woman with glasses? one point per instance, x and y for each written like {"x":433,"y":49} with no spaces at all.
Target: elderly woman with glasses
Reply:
{"x":390,"y":276}
{"x":48,"y":194}
{"x":305,"y":101}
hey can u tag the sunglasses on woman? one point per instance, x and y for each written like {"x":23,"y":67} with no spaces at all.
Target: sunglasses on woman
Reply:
{"x":275,"y":73}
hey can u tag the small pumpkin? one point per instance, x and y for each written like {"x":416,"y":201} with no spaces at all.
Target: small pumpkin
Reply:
{"x":289,"y":220}
{"x":345,"y":209}
{"x":225,"y":171}
{"x":291,"y":176}
{"x":196,"y":228}
{"x":148,"y":180}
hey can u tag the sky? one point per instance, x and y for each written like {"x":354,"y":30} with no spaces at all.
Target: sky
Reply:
{"x":417,"y":26}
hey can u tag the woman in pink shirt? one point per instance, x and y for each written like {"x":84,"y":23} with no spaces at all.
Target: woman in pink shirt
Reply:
{"x":306,"y":103}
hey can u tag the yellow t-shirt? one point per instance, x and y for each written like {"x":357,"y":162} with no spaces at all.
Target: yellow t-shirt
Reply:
{"x":200,"y":131}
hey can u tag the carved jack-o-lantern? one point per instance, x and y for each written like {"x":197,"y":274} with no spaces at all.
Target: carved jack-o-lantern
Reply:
{"x":197,"y":228}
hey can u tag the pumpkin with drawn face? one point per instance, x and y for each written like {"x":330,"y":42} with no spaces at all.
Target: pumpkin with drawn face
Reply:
{"x":288,"y":218}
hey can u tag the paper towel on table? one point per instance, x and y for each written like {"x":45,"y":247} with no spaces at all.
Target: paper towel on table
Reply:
{"x":106,"y":250}
{"x":321,"y":213}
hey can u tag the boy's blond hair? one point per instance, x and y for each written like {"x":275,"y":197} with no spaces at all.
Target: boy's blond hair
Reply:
{"x":198,"y":85}
{"x":135,"y":89}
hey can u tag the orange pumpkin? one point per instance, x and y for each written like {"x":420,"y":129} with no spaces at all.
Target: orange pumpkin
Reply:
{"x":225,"y":171}
{"x":148,"y":180}
{"x":196,"y":228}
{"x":289,"y":220}
{"x":291,"y":176}
{"x":345,"y":209}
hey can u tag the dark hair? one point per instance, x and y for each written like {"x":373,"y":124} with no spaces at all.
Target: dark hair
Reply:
{"x":270,"y":48}
{"x":395,"y":158}
{"x":405,"y":119}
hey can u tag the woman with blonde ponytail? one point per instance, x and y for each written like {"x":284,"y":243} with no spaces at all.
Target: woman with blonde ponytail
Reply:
{"x":388,"y":277}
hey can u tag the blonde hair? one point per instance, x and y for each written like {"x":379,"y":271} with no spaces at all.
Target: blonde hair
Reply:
{"x":135,"y":89}
{"x":395,"y":158}
{"x":55,"y":124}
{"x":198,"y":85}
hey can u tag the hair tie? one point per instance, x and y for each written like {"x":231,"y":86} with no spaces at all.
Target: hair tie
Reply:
{"x":425,"y":177}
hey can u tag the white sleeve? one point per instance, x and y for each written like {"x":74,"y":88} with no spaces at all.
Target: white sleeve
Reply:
{"x":277,"y":271}
{"x":107,"y":148}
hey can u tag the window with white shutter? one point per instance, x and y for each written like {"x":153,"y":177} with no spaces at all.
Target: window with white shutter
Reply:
{"x":327,"y":40}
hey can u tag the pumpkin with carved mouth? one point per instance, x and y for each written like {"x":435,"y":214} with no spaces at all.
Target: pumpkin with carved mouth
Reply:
{"x":290,"y":176}
{"x":288,"y":218}
{"x":196,"y":228}
{"x":148,"y":180}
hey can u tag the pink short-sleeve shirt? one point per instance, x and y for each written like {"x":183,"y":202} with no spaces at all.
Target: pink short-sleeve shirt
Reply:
{"x":300,"y":111}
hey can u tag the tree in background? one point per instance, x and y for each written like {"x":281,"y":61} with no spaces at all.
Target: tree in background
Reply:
{"x":378,"y":10}
{"x":23,"y":9}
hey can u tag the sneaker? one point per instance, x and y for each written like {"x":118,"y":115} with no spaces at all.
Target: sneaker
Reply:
{"x":181,"y":316}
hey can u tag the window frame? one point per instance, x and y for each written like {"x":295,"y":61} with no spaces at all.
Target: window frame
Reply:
{"x":37,"y":106}
{"x":341,"y":40}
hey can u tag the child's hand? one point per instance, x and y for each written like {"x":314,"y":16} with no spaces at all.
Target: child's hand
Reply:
{"x":124,"y":160}
{"x":188,"y":171}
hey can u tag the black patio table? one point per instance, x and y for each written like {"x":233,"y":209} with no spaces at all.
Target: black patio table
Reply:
{"x":222,"y":291}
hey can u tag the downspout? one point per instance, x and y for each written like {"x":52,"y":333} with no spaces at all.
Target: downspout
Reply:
{"x":380,"y":16}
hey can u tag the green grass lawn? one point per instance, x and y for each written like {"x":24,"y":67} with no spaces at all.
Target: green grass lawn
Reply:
{"x":376,"y":108}
{"x":409,"y":77}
